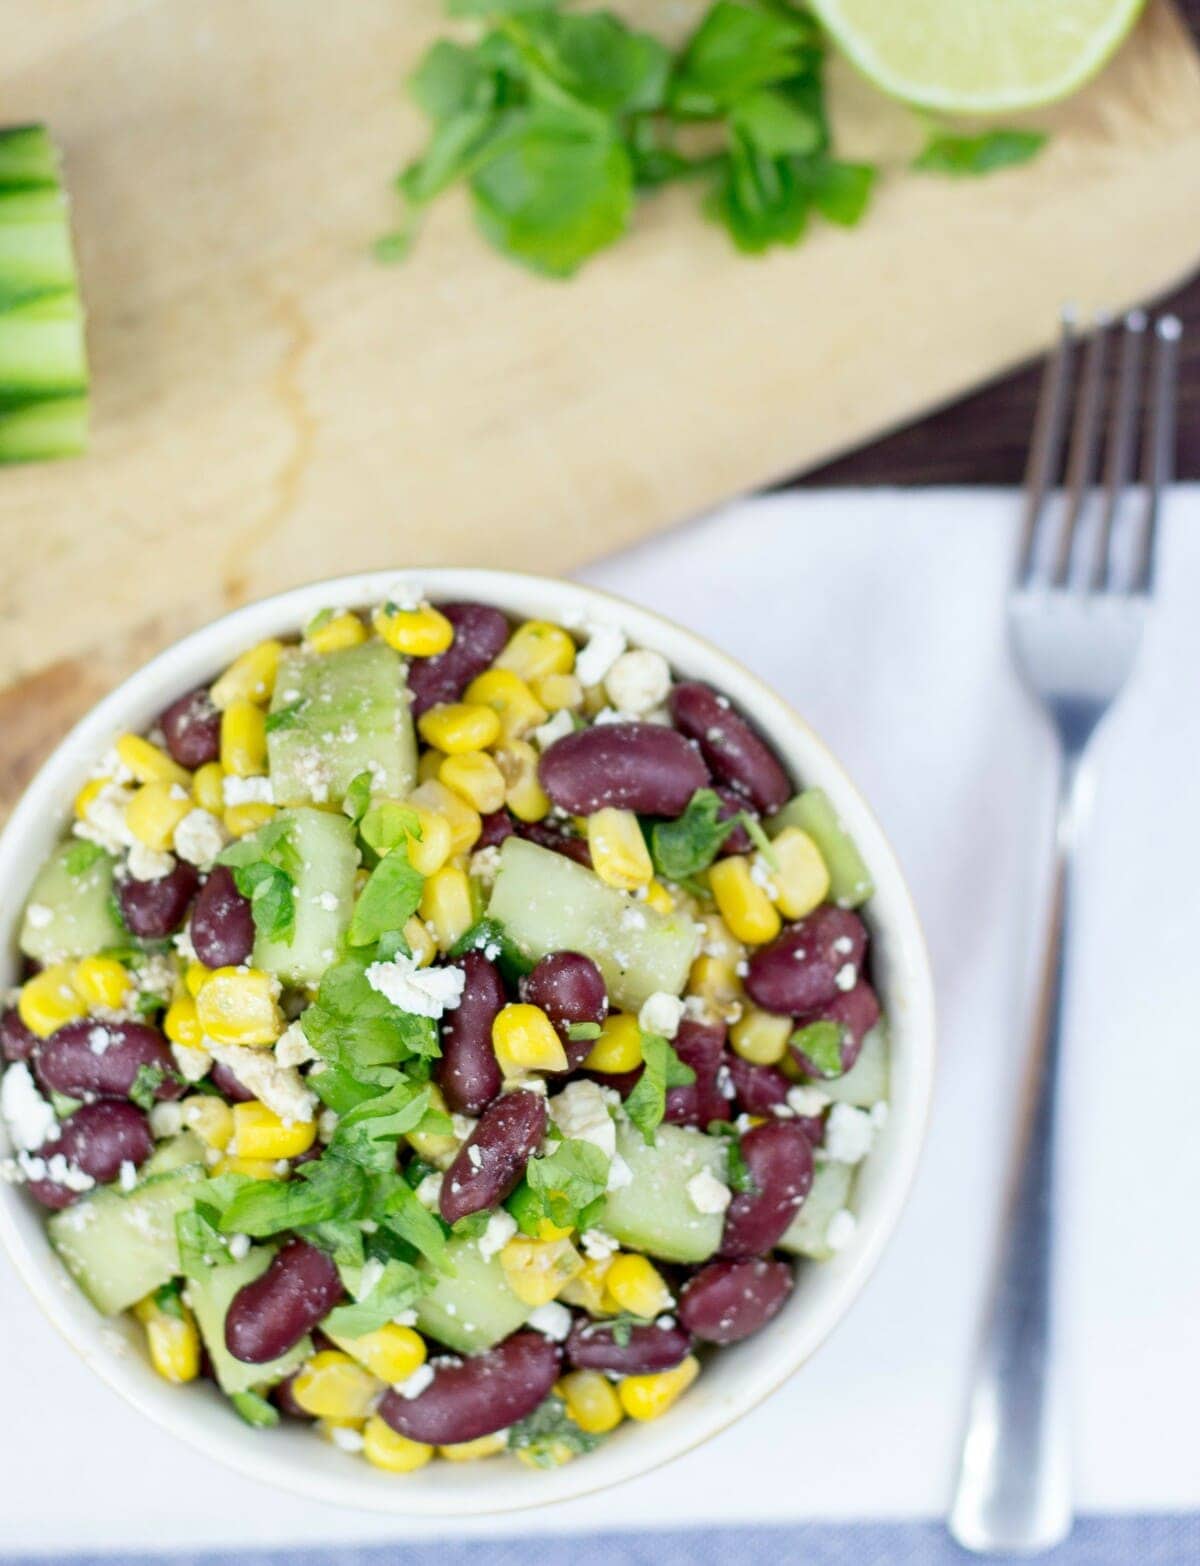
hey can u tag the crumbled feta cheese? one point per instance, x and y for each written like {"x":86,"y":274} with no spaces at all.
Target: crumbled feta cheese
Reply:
{"x":429,"y":1192}
{"x":104,"y":819}
{"x":849,"y":1133}
{"x":552,"y":1320}
{"x":292,"y":1047}
{"x":327,"y":1124}
{"x":182,"y":942}
{"x":404,"y":593}
{"x":555,"y":728}
{"x":280,"y":1088}
{"x":707,"y":1194}
{"x":841,"y":1230}
{"x":127,"y":1175}
{"x":166,"y":1119}
{"x":346,"y":1438}
{"x":807,"y":1100}
{"x":147,"y":864}
{"x":604,"y":646}
{"x":696,"y":1008}
{"x":581,"y":1112}
{"x":501,"y":1227}
{"x":760,"y":874}
{"x":29,"y":1166}
{"x":846,"y":977}
{"x":247,"y":791}
{"x":613,"y":715}
{"x":239,"y":1246}
{"x":194,"y":1064}
{"x":485,"y":863}
{"x":327,"y":902}
{"x":726,"y":1086}
{"x":474,"y":1157}
{"x":199,"y":838}
{"x":98,"y":1039}
{"x":661,"y":1013}
{"x":428,"y":992}
{"x":405,"y":1318}
{"x":461,"y":1126}
{"x":638,"y":681}
{"x":155,"y":974}
{"x":30,"y":1118}
{"x":38,"y":916}
{"x":421,"y":1377}
{"x":633,"y":918}
{"x":619,"y":1174}
{"x":598,"y":1244}
{"x":843,"y":946}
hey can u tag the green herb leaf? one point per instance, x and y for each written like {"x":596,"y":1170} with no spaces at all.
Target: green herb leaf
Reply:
{"x":549,"y":1436}
{"x":147,"y":1004}
{"x":286,"y":717}
{"x":737,"y":1170}
{"x":563,"y":1186}
{"x":578,"y":1032}
{"x":386,"y":825}
{"x":449,"y":80}
{"x":595,"y":59}
{"x":255,"y":1410}
{"x":321,"y":618}
{"x":490,"y":936}
{"x":761,"y":201}
{"x":353,"y":1026}
{"x":776,"y":124}
{"x":647,"y":1104}
{"x":840,"y":192}
{"x":388,"y":900}
{"x":404,"y":1215}
{"x":201,"y":1244}
{"x":167,"y":1298}
{"x":821,"y":1044}
{"x":736,"y":49}
{"x":147,"y":1082}
{"x":397,"y":1289}
{"x":683,"y":847}
{"x":497,"y":7}
{"x":368,"y":1133}
{"x":358,"y":796}
{"x":982,"y":154}
{"x":265,"y":866}
{"x":81,"y":856}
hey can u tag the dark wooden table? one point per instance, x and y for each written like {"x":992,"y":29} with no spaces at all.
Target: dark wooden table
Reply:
{"x":983,"y":438}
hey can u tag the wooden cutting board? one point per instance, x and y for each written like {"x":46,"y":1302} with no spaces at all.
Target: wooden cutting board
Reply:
{"x":271,"y":405}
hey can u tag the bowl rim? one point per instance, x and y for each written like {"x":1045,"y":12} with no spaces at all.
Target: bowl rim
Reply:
{"x":471,"y":1490}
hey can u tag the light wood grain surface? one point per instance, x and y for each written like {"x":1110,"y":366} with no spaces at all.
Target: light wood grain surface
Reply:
{"x":273,"y":406}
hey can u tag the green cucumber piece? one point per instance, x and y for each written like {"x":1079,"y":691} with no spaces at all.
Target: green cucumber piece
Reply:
{"x":210,"y":1297}
{"x":55,"y":427}
{"x":654,"y":1212}
{"x":849,"y":879}
{"x":27,"y":157}
{"x":866,"y":1082}
{"x":41,"y":346}
{"x":120,"y":1246}
{"x":176,"y":1152}
{"x":82,"y":915}
{"x":338,"y":714}
{"x":325,"y":847}
{"x":548,"y":903}
{"x":473,"y":1309}
{"x":828,"y":1194}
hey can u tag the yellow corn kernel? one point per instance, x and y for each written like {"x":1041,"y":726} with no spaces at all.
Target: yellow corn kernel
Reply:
{"x":208,"y":787}
{"x":458,"y":726}
{"x":446,"y":905}
{"x":715,"y":978}
{"x":260,"y":1133}
{"x":507,"y":694}
{"x":524,"y":1039}
{"x":595,"y":699}
{"x":745,"y":906}
{"x":658,"y":898}
{"x":241,"y":820}
{"x":646,"y":1397}
{"x":718,"y":940}
{"x":536,"y":649}
{"x":422,"y":632}
{"x":194,"y":977}
{"x":472,"y":1451}
{"x":559,"y":692}
{"x":390,"y":1352}
{"x":427,"y":766}
{"x":435,"y":1147}
{"x":49,"y":999}
{"x":333,"y":1386}
{"x":537,"y":1271}
{"x":761,"y":1037}
{"x":637,"y":1286}
{"x":250,"y":677}
{"x":171,"y":1339}
{"x":210,"y":1117}
{"x":88,"y":795}
{"x":339,"y":631}
{"x":465,"y":825}
{"x":430,"y":851}
{"x":101,"y":981}
{"x":149,"y":763}
{"x":802,"y":880}
{"x":181,"y":1023}
{"x":523,"y":792}
{"x":586,"y":1288}
{"x":253,"y":1168}
{"x":420,"y":943}
{"x":591,"y":1400}
{"x":154,"y":812}
{"x":240,"y":1006}
{"x":388,"y":1449}
{"x":619,"y":1047}
{"x":619,"y":853}
{"x":244,"y":739}
{"x":474,"y":776}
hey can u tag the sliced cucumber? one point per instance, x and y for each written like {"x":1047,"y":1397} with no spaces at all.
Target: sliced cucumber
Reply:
{"x":71,"y":915}
{"x":338,"y":714}
{"x":473,"y":1309}
{"x":548,"y":903}
{"x":866,"y":1082}
{"x":654,"y":1212}
{"x":849,"y":879}
{"x":118,"y":1247}
{"x":210,"y":1298}
{"x":324,"y":896}
{"x":176,"y":1152}
{"x":829,"y":1193}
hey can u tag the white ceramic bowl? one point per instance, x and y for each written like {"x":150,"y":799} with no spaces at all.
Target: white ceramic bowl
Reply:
{"x":736,"y":1378}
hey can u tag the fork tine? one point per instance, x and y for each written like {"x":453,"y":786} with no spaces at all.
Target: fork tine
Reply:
{"x":1159,"y":451}
{"x":1085,"y":447}
{"x":1122,"y":439}
{"x":1045,"y":448}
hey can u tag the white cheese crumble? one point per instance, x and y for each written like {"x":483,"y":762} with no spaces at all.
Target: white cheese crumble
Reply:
{"x":147,"y":864}
{"x":281,"y":1088}
{"x":104,"y":819}
{"x":552,"y":1320}
{"x":846,"y":977}
{"x":555,"y":728}
{"x":239,"y":1246}
{"x":30,"y":1118}
{"x":841,"y":1230}
{"x":247,"y":791}
{"x":501,"y":1227}
{"x":613,"y":715}
{"x":638,"y":681}
{"x":346,"y":1438}
{"x":581,"y":1112}
{"x":429,"y":1192}
{"x":598,"y":1244}
{"x":127,"y":1175}
{"x":421,"y":1377}
{"x":404,"y":593}
{"x":619,"y":1174}
{"x":485,"y":863}
{"x":604,"y":646}
{"x":193,"y":1063}
{"x":327,"y":902}
{"x":38,"y":916}
{"x":166,"y":1119}
{"x":292,"y":1047}
{"x":199,"y":838}
{"x":661,"y":1013}
{"x":426,"y":991}
{"x":807,"y":1100}
{"x":849,"y":1133}
{"x":707,"y":1194}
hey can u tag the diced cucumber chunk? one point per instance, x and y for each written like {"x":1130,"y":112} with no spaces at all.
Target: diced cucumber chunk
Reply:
{"x":210,"y":1297}
{"x":654,"y":1212}
{"x":829,"y":1193}
{"x":41,"y":347}
{"x":849,"y":879}
{"x":71,"y":915}
{"x":866,"y":1082}
{"x":473,"y":1309}
{"x":176,"y":1152}
{"x":548,"y":903}
{"x":338,"y":714}
{"x":120,"y":1246}
{"x":324,"y":896}
{"x":27,"y":156}
{"x":53,"y":427}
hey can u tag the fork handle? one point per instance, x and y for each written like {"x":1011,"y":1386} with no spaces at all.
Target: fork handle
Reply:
{"x":1013,"y":1489}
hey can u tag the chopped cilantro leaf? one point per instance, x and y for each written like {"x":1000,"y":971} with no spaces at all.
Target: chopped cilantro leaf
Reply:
{"x":285,"y":717}
{"x":549,"y":1436}
{"x":147,"y":1082}
{"x":358,"y":796}
{"x":821,"y":1045}
{"x":565,"y":1187}
{"x":255,"y":1410}
{"x":578,"y":1032}
{"x":396,"y":1290}
{"x":388,"y":900}
{"x":264,"y":867}
{"x":683,"y":847}
{"x":982,"y":154}
{"x":647,"y":1103}
{"x":81,"y":856}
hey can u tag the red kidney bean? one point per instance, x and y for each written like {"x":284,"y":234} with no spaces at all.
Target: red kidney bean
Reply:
{"x":222,"y":926}
{"x":479,"y":634}
{"x":100,"y":1137}
{"x":734,"y":804}
{"x":224,"y":1080}
{"x":16,"y":1041}
{"x":48,"y":1193}
{"x":474,"y":1397}
{"x":569,"y":988}
{"x":728,"y":1300}
{"x":780,"y":1161}
{"x":155,"y":909}
{"x":496,"y":827}
{"x":271,"y":1314}
{"x":558,"y":841}
{"x":103,"y":1058}
{"x":800,"y":971}
{"x":632,"y":766}
{"x":736,"y":754}
{"x":502,"y":1143}
{"x":856,"y":1012}
{"x":700,"y":1046}
{"x":592,"y":1346}
{"x":192,"y":729}
{"x":758,"y":1088}
{"x":468,"y":1072}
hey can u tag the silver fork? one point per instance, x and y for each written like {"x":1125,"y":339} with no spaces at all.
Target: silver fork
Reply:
{"x":1075,"y":617}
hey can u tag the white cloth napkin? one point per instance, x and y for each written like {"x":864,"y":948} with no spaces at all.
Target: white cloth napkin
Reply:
{"x":880,"y":615}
